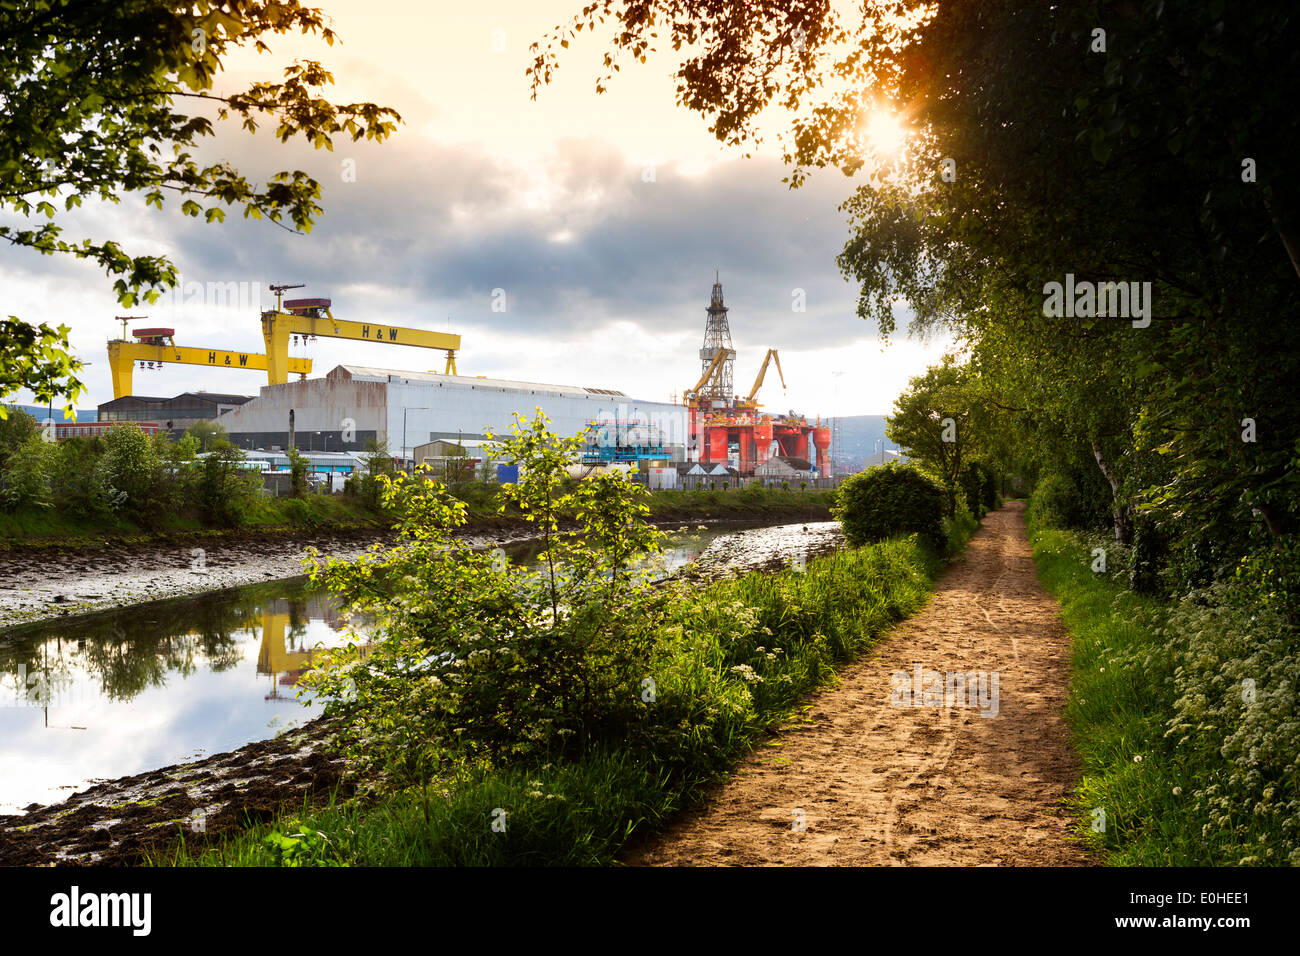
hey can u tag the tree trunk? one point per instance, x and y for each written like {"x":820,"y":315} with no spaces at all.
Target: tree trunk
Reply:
{"x":1277,"y":522}
{"x":1120,"y":508}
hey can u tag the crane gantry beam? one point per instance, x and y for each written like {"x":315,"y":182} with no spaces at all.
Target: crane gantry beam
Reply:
{"x":305,"y":317}
{"x":313,"y":317}
{"x":122,"y":356}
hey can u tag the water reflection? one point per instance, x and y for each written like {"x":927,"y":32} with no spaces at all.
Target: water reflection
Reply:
{"x":129,"y":691}
{"x":142,"y":688}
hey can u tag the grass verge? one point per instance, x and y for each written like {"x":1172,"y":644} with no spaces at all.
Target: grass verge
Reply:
{"x":1180,"y":766}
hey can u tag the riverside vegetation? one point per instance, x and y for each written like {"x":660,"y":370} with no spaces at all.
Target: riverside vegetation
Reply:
{"x":550,"y":716}
{"x":1183,"y":707}
{"x":130,"y":485}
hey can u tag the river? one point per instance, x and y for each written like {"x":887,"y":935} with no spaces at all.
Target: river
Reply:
{"x":92,"y":698}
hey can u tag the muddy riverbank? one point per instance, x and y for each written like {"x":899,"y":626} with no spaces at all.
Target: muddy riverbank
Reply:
{"x":121,"y":820}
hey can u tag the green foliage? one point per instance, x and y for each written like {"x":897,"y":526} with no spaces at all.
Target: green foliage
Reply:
{"x":27,"y":473}
{"x":1185,"y":406}
{"x":958,"y":529}
{"x":34,"y":357}
{"x":224,"y":490}
{"x":78,"y":488}
{"x":979,"y":487}
{"x":186,"y":449}
{"x":931,"y":421}
{"x":484,"y":674}
{"x":298,"y":466}
{"x":731,"y":663}
{"x":481,"y":661}
{"x":1237,"y":711}
{"x":131,"y":474}
{"x":208,"y":435}
{"x":1192,"y":765}
{"x":15,"y":428}
{"x":91,"y":96}
{"x":892,"y":499}
{"x":379,"y":462}
{"x":1273,"y":577}
{"x":1059,"y":502}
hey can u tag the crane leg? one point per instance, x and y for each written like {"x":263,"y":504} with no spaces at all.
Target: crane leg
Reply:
{"x":123,"y":369}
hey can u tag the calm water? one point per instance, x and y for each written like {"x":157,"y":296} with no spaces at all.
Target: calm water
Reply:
{"x":128,"y":691}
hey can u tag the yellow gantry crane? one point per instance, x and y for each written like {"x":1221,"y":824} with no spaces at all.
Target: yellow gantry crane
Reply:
{"x":304,"y":317}
{"x":313,"y":317}
{"x":158,"y":346}
{"x":751,"y":400}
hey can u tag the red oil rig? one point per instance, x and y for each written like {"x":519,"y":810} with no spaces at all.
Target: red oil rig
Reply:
{"x":726,"y":429}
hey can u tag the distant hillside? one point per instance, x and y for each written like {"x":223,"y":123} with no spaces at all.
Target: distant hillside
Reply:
{"x":858,"y":436}
{"x":42,"y":412}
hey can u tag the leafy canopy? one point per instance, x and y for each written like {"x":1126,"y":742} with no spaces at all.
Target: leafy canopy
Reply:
{"x":105,"y":98}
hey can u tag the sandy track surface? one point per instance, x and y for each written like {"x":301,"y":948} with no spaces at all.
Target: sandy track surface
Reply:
{"x":862,"y":782}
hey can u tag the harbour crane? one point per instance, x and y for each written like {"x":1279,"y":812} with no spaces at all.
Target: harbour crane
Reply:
{"x":749,"y":402}
{"x":691,"y":396}
{"x":312,"y":317}
{"x":158,"y":346}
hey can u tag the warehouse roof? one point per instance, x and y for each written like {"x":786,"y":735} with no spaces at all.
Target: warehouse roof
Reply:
{"x":365,"y":372}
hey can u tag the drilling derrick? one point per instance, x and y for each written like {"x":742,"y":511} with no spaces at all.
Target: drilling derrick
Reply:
{"x":726,"y":429}
{"x":717,"y":339}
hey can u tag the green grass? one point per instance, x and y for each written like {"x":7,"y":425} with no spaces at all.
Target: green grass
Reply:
{"x":802,"y":627}
{"x":43,"y":527}
{"x":480,"y":497}
{"x":1169,"y":798}
{"x":1116,"y":710}
{"x":49,"y":527}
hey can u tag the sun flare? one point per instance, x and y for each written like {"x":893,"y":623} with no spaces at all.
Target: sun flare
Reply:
{"x":885,"y":134}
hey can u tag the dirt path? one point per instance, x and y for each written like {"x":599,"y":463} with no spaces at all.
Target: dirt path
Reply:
{"x":876,"y":784}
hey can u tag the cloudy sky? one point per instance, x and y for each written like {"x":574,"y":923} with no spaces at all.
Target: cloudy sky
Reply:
{"x":602,"y":219}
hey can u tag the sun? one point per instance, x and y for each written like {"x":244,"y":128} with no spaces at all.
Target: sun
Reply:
{"x":885,"y":134}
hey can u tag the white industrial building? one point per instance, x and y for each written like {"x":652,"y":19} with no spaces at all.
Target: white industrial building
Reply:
{"x":353,"y":404}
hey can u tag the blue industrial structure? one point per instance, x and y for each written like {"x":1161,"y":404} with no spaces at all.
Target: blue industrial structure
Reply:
{"x":614,"y":441}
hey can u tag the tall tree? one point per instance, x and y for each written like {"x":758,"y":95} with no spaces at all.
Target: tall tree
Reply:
{"x":1077,"y":142}
{"x":100,"y":99}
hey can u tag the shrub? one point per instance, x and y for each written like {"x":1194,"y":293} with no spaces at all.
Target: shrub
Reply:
{"x":1059,"y":501}
{"x":1273,"y":576}
{"x":479,"y":660}
{"x":958,"y":529}
{"x":297,"y":473}
{"x":1065,"y":499}
{"x":299,"y":511}
{"x":890,"y":500}
{"x":1238,"y":710}
{"x":978,"y":487}
{"x":77,"y":489}
{"x":222,"y":489}
{"x":27,"y":472}
{"x":132,"y":473}
{"x":15,"y":428}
